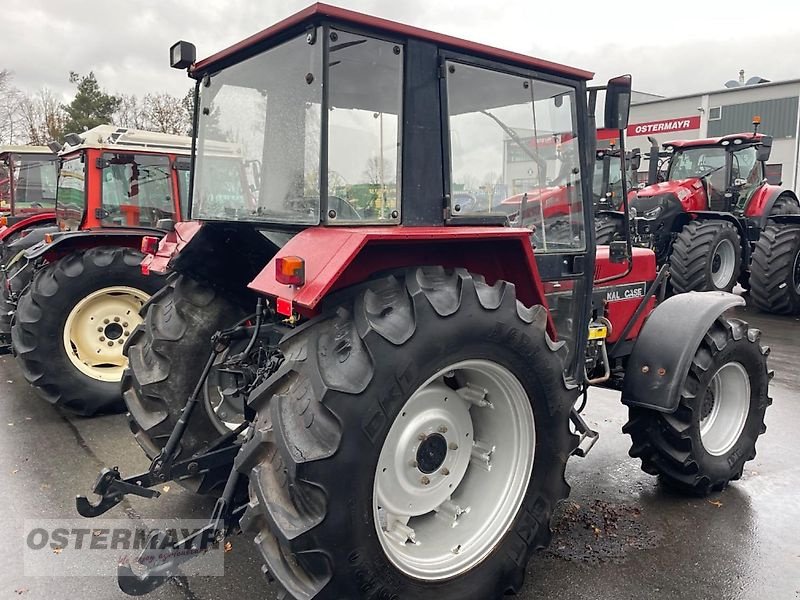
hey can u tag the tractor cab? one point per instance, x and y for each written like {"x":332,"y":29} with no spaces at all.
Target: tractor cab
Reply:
{"x":120,"y":178}
{"x":610,"y":171}
{"x":27,"y":181}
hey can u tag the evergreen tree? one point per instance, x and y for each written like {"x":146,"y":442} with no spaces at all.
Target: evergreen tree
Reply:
{"x":90,"y":107}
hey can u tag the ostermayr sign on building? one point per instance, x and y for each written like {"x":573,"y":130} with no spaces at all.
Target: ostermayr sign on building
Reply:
{"x":721,"y":112}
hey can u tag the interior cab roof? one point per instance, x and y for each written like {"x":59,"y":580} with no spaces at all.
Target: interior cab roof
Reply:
{"x":319,"y":12}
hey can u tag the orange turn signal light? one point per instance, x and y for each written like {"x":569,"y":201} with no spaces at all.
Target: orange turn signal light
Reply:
{"x":3,"y":221}
{"x":149,"y":244}
{"x":48,"y":238}
{"x":756,"y":120}
{"x":290,"y":270}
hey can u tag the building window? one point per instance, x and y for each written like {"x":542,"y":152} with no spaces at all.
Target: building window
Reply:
{"x":774,"y":174}
{"x":715,"y":113}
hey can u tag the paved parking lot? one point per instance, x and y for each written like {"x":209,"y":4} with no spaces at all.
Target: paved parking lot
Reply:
{"x":620,"y":536}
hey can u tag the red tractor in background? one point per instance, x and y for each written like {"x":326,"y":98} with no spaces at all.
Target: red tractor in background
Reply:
{"x":715,"y":220}
{"x":72,"y":299}
{"x":397,"y":392}
{"x":28,"y":177}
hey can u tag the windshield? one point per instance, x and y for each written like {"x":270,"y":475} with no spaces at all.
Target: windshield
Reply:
{"x":71,"y":193}
{"x":697,"y":162}
{"x":34,"y":183}
{"x":514,"y":150}
{"x":607,"y":179}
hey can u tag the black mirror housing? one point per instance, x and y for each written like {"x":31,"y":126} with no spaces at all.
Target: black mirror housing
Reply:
{"x":182,"y":55}
{"x":764,"y":150}
{"x":618,"y":251}
{"x":635,"y":159}
{"x":618,"y":102}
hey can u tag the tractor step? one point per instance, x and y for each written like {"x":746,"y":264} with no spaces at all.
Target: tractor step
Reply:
{"x":588,"y":436}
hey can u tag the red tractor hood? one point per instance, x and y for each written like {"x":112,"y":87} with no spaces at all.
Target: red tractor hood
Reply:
{"x":690,"y":193}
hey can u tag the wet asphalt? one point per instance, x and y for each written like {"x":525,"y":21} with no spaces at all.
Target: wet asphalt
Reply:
{"x":619,"y":536}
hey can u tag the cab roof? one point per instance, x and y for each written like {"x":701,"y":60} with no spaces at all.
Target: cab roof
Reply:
{"x":319,"y":12}
{"x":130,"y":140}
{"x":25,"y":150}
{"x":745,"y":138}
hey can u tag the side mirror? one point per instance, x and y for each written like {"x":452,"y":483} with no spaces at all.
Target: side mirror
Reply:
{"x":765,"y":149}
{"x":618,"y":102}
{"x":182,"y":55}
{"x":618,"y":251}
{"x":635,"y":159}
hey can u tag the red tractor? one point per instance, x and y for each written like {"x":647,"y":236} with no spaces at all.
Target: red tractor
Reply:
{"x":385,"y":401}
{"x":715,"y":220}
{"x":75,"y":296}
{"x":27,"y":191}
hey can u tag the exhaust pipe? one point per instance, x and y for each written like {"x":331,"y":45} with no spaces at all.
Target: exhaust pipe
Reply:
{"x":652,"y":170}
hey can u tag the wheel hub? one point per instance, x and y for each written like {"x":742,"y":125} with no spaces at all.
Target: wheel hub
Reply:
{"x":96,"y":329}
{"x":453,"y":470}
{"x":723,"y":264}
{"x":724,"y":410}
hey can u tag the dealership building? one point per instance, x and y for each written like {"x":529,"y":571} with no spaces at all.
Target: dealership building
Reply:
{"x":721,"y":112}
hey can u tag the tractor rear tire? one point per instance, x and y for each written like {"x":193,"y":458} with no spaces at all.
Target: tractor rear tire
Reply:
{"x":76,"y":309}
{"x":13,"y":281}
{"x":775,"y":270}
{"x":352,"y":384}
{"x":706,"y":256}
{"x":704,"y":444}
{"x":607,"y":229}
{"x":166,"y":354}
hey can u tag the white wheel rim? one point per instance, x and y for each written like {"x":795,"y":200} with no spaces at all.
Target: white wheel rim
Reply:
{"x":437,"y":523}
{"x":97,"y":327}
{"x":723,"y":264}
{"x":724,"y":409}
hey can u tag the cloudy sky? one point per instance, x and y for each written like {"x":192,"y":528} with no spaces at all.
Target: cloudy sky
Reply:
{"x":670,"y":47}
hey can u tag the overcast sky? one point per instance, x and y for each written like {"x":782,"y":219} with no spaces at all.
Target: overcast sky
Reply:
{"x":670,"y":47}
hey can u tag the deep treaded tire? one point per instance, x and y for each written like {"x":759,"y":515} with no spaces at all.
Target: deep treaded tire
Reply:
{"x":166,"y":354}
{"x":693,"y":264}
{"x":775,"y":270}
{"x":671,"y":445}
{"x":323,"y":418}
{"x":607,"y":229}
{"x":41,"y":317}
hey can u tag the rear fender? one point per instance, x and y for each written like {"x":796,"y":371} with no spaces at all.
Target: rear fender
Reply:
{"x":663,"y":353}
{"x":760,"y":205}
{"x":170,"y":245}
{"x":336,"y":258}
{"x":70,"y":241}
{"x":17,"y":226}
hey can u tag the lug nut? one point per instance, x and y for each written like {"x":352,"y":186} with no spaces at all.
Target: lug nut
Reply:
{"x":126,"y":332}
{"x":125,"y":324}
{"x":120,"y":341}
{"x":102,"y":339}
{"x":106,"y":321}
{"x":445,"y":471}
{"x":421,"y":437}
{"x":110,"y":343}
{"x":412,"y":464}
{"x":116,"y":319}
{"x":100,"y":329}
{"x":453,"y":446}
{"x":424,"y":480}
{"x":442,"y":429}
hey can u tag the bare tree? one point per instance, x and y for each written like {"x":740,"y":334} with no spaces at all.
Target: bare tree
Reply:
{"x":10,"y":99}
{"x":165,"y":113}
{"x":379,"y":172}
{"x":130,"y":112}
{"x":42,"y":117}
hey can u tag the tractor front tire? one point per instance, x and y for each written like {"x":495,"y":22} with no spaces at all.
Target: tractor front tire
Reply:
{"x":419,"y":402}
{"x":706,"y":256}
{"x":705,"y":443}
{"x":607,"y":229}
{"x":775,"y":270}
{"x":71,"y":323}
{"x":166,"y":354}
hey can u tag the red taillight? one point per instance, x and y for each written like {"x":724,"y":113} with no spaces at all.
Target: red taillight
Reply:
{"x":290,"y":270}
{"x":149,"y":244}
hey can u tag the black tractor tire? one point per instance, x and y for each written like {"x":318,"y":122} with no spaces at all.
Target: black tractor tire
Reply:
{"x":785,"y":205}
{"x":323,"y":417}
{"x":166,"y":354}
{"x":670,"y":445}
{"x":13,"y":281}
{"x":692,"y":261}
{"x":41,"y":316}
{"x":775,"y":270}
{"x":607,"y":229}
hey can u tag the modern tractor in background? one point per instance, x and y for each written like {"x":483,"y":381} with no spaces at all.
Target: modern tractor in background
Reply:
{"x":28,"y":177}
{"x":75,"y":296}
{"x":403,"y":386}
{"x":715,"y":220}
